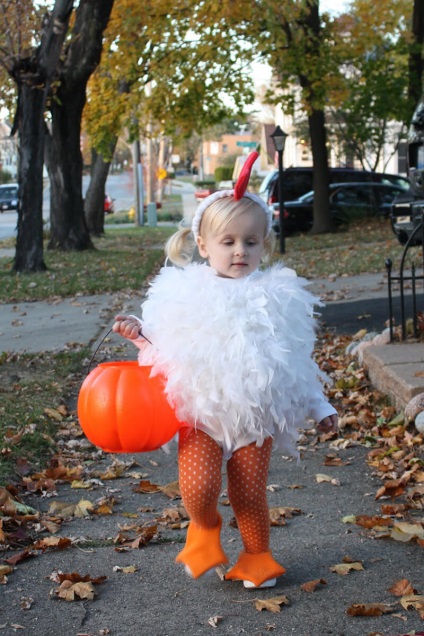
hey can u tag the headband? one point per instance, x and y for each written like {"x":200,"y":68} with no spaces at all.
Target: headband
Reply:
{"x":238,"y":192}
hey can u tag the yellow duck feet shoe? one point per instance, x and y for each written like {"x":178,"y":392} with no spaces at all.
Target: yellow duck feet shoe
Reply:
{"x":256,"y":570}
{"x":202,"y":551}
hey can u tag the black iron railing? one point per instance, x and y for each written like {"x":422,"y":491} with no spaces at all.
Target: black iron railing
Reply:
{"x":403,"y":278}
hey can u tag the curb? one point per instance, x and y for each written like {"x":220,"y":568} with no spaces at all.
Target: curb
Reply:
{"x":396,"y":370}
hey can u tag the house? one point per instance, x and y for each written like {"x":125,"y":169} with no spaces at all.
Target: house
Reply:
{"x":8,"y":150}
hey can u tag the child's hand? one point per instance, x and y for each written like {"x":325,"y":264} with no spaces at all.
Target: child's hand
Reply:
{"x":127,"y":326}
{"x":328,"y":424}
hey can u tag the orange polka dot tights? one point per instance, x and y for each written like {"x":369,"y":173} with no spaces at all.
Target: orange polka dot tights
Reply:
{"x":200,"y":465}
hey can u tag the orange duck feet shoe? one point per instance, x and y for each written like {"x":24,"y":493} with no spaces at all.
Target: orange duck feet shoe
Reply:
{"x":202,"y":551}
{"x":256,"y":570}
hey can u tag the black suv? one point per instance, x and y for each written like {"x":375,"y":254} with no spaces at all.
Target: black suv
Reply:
{"x":407,"y":215}
{"x":8,"y":197}
{"x":299,"y":181}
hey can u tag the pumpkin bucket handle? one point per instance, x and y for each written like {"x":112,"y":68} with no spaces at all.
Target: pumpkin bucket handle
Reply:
{"x":102,"y":341}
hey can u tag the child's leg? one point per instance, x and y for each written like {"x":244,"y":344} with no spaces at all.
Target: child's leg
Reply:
{"x":200,"y":463}
{"x":247,"y":479}
{"x":247,"y":472}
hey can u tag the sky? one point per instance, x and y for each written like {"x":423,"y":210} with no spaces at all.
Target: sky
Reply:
{"x":335,"y":6}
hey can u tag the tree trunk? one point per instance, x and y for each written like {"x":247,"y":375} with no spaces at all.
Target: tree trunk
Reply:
{"x":321,"y":173}
{"x":416,"y":64}
{"x":94,"y":199}
{"x":29,"y":242}
{"x":33,"y":76}
{"x":69,"y":230}
{"x":317,"y":130}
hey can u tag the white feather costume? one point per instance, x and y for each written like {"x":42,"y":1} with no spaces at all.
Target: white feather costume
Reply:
{"x":236,"y":353}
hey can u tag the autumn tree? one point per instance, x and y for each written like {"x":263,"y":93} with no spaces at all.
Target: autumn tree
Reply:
{"x":187,"y":78}
{"x":297,"y":43}
{"x":32,"y":67}
{"x":370,"y":106}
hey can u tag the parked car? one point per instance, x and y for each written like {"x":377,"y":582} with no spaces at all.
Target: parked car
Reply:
{"x":9,"y":196}
{"x":299,"y":181}
{"x":406,"y":215}
{"x":347,"y":201}
{"x":109,"y":207}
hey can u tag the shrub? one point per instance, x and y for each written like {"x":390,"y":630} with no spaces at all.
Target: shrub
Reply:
{"x":223,"y":173}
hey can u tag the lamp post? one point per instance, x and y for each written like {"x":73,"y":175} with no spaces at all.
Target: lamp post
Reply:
{"x":279,"y":138}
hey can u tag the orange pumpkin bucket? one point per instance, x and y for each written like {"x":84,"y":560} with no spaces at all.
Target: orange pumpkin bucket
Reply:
{"x":123,"y":410}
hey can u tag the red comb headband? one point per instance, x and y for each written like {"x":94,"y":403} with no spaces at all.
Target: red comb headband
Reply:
{"x":244,"y":176}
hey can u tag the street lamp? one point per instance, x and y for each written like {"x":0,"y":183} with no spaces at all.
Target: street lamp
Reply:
{"x":279,"y":138}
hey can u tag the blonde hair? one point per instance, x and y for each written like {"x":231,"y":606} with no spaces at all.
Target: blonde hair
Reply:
{"x":180,"y":248}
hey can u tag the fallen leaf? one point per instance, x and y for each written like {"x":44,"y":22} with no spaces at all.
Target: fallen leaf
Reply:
{"x":58,"y":543}
{"x":26,"y":602}
{"x":311,"y":586}
{"x":345,"y":568}
{"x":371,"y":522}
{"x":402,"y":588}
{"x":171,"y":490}
{"x":413,"y":600}
{"x":146,"y":486}
{"x":403,"y":531}
{"x":320,"y":478}
{"x":69,"y":591}
{"x":53,"y":414}
{"x":213,"y":621}
{"x":127,"y":569}
{"x":273,"y":487}
{"x":369,"y":609}
{"x":272,"y":604}
{"x":67,"y":510}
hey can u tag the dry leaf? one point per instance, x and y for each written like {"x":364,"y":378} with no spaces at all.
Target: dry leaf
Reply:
{"x":271,"y":604}
{"x":171,"y":490}
{"x":326,"y":478}
{"x":26,"y":602}
{"x":66,"y":510}
{"x":345,"y":568}
{"x":413,"y":600}
{"x":369,"y":609}
{"x":69,"y":591}
{"x":371,"y":522}
{"x":402,"y":588}
{"x":53,"y":414}
{"x":58,"y":543}
{"x":146,"y":486}
{"x":310,"y":586}
{"x":273,"y":487}
{"x":127,"y":569}
{"x":403,"y":531}
{"x":213,"y":621}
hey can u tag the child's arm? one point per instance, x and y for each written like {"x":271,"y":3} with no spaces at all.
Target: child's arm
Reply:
{"x":127,"y":326}
{"x":328,"y":424}
{"x":322,"y":412}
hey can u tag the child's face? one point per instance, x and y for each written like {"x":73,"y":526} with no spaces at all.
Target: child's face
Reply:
{"x":236,"y":250}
